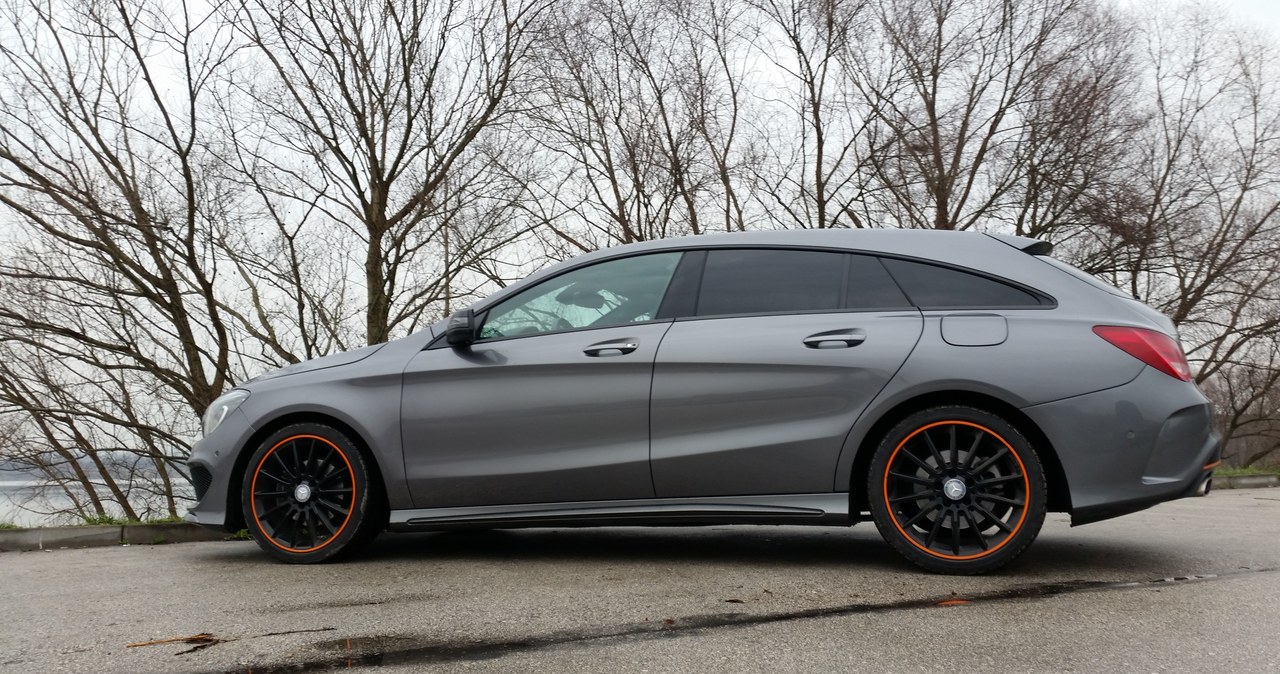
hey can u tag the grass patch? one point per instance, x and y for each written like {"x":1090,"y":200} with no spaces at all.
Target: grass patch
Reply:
{"x":1242,"y":472}
{"x":95,"y":520}
{"x":9,"y":525}
{"x":242,"y":535}
{"x":117,"y":521}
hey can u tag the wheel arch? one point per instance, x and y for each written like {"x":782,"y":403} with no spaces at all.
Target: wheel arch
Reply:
{"x":235,"y":518}
{"x":1059,"y":493}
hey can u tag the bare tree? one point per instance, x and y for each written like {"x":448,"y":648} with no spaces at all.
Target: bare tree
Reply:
{"x":111,"y":287}
{"x":1248,"y":395}
{"x":370,"y":118}
{"x":818,"y":177}
{"x":1194,"y":225}
{"x":613,"y":120}
{"x":95,"y":459}
{"x":1076,"y":127}
{"x":952,"y":87}
{"x":718,"y":37}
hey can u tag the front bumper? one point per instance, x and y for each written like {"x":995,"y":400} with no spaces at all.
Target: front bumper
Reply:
{"x":212,"y":467}
{"x":1130,"y":447}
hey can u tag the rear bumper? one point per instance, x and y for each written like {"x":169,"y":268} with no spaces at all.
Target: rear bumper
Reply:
{"x":1106,"y":511}
{"x":1130,"y":447}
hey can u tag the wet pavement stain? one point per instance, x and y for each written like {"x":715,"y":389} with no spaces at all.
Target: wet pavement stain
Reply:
{"x":388,"y":651}
{"x":365,"y":645}
{"x":206,"y":640}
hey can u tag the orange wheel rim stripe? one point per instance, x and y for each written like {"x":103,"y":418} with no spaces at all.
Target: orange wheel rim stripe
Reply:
{"x":253,"y":488}
{"x":1026,"y":482}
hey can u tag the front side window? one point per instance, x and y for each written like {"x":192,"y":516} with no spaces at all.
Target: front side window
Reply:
{"x":609,"y":293}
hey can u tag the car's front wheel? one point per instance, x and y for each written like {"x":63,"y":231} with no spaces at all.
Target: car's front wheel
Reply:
{"x":308,"y":495}
{"x":957,"y":490}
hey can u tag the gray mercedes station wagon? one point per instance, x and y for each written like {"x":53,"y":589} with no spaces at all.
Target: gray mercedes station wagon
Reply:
{"x":951,"y":387}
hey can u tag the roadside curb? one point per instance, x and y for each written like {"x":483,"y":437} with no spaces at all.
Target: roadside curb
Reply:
{"x":1246,"y":482}
{"x":52,"y":538}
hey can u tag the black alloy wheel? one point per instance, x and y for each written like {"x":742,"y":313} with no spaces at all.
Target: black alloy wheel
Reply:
{"x":957,"y":490}
{"x":308,"y":495}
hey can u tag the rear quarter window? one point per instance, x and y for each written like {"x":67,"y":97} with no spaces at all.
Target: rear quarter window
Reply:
{"x":931,"y":286}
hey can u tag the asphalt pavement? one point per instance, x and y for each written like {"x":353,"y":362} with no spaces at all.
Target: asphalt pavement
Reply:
{"x":1190,"y":585}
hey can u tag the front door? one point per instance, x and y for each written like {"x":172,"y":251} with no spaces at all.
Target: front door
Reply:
{"x":551,"y":403}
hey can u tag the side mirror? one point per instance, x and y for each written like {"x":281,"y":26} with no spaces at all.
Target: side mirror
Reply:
{"x":462,"y":329}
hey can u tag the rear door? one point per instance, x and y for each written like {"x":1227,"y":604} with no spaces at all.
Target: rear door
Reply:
{"x":756,"y":391}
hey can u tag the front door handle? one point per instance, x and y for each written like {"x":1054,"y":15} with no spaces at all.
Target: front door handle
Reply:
{"x":617,"y":347}
{"x":836,"y":339}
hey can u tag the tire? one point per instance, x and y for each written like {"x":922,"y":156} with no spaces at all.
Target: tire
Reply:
{"x":979,"y":490}
{"x":310,"y":496}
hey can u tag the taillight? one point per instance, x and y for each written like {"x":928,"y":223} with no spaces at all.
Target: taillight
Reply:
{"x":1149,"y":346}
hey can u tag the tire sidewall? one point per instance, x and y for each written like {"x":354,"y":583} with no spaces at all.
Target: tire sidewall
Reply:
{"x":361,"y":508}
{"x":1036,"y":497}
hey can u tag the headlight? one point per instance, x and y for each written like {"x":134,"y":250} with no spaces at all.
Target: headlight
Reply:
{"x":221,"y":408}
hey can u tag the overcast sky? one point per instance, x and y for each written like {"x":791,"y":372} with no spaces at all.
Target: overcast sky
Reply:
{"x":1263,"y":13}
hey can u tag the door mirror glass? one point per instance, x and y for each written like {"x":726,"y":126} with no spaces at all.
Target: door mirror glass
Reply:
{"x":461,"y":330}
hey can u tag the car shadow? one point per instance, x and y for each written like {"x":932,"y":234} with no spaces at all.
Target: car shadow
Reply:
{"x":720,"y":544}
{"x":1056,"y":556}
{"x":808,"y":547}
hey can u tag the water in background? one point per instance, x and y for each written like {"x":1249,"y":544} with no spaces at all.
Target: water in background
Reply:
{"x":25,"y":504}
{"x":17,"y":490}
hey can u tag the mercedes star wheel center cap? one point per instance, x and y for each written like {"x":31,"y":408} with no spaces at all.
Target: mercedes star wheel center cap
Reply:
{"x":302,"y":493}
{"x":953,"y":488}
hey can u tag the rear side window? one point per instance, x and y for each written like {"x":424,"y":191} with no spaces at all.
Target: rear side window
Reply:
{"x":933,"y":287}
{"x":770,"y":281}
{"x":871,"y":287}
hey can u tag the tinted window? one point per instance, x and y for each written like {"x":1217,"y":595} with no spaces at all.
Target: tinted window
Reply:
{"x":610,"y":293}
{"x":871,"y":287}
{"x":930,"y":286}
{"x":768,"y":281}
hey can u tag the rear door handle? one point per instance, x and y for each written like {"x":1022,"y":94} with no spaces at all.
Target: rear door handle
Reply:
{"x":617,"y":347}
{"x":836,"y":339}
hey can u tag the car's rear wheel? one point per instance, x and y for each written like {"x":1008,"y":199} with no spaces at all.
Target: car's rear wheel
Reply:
{"x":957,"y":490}
{"x":309,"y":495}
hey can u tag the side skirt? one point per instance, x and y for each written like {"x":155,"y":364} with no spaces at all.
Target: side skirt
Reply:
{"x":827,"y":509}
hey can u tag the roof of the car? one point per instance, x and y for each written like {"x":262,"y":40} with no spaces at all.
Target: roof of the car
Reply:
{"x":878,"y":239}
{"x":914,"y":242}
